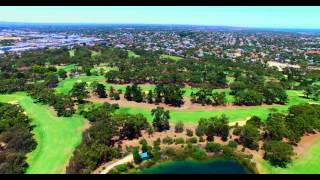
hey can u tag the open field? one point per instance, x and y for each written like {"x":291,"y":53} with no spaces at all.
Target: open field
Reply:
{"x":57,"y":137}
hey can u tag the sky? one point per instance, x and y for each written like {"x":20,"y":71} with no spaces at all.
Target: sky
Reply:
{"x":307,"y":17}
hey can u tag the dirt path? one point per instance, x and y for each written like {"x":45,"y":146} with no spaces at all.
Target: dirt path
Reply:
{"x":108,"y":166}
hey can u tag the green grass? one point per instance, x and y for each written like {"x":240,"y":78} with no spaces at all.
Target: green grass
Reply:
{"x":132,"y":54}
{"x":66,"y":85}
{"x":67,"y":68}
{"x":71,"y":52}
{"x":166,"y":56}
{"x":57,"y":137}
{"x":240,"y":113}
{"x":308,"y":163}
{"x":95,"y":53}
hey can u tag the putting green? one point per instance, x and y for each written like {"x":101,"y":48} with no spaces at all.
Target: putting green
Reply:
{"x":57,"y":137}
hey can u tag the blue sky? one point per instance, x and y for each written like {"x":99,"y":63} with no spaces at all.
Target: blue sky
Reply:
{"x":242,"y":16}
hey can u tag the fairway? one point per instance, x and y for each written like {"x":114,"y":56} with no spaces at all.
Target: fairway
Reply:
{"x":56,"y":137}
{"x":234,"y":114}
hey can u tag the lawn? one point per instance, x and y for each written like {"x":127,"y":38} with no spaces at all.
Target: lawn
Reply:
{"x":166,"y":56}
{"x":307,"y":163}
{"x":57,"y":137}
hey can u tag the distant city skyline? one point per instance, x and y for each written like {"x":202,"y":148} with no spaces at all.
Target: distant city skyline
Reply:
{"x":300,"y":17}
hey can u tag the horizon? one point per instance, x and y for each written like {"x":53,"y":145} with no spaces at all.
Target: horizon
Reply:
{"x":242,"y":17}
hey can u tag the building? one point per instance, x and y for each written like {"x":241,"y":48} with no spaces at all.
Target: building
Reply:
{"x":144,"y":156}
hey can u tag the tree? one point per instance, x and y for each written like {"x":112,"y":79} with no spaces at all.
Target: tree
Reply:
{"x":150,"y":97}
{"x":114,"y":94}
{"x":132,"y":125}
{"x":51,"y":80}
{"x":179,"y":127}
{"x":312,"y":91}
{"x":278,"y":153}
{"x":250,"y":136}
{"x":274,"y":93}
{"x":136,"y":156}
{"x":62,"y":73}
{"x":303,"y":118}
{"x":128,"y":93}
{"x":276,"y":126}
{"x":161,"y":119}
{"x":248,"y":97}
{"x":79,"y":91}
{"x":64,"y":105}
{"x":144,"y":147}
{"x":213,"y":147}
{"x":219,"y":98}
{"x":255,"y":121}
{"x":136,"y":92}
{"x":100,"y":90}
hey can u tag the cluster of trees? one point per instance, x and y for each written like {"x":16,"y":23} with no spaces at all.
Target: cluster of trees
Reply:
{"x":205,"y":96}
{"x":151,"y":68}
{"x":16,"y":139}
{"x":134,"y":93}
{"x":251,"y":89}
{"x":300,"y":120}
{"x":312,"y":91}
{"x":214,"y":126}
{"x":98,"y":144}
{"x":62,"y":103}
{"x":167,"y":93}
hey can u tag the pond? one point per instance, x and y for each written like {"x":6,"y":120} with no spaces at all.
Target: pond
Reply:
{"x":217,"y":166}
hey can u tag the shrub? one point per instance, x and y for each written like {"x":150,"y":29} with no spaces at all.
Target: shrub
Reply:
{"x":201,"y":139}
{"x":199,"y":154}
{"x":213,"y":147}
{"x":122,"y":167}
{"x":192,"y":140}
{"x":157,"y":142}
{"x":237,"y":131}
{"x":179,"y":141}
{"x":150,"y":130}
{"x":189,"y":132}
{"x":167,"y":140}
{"x":179,"y":127}
{"x":232,"y":144}
{"x":200,"y":131}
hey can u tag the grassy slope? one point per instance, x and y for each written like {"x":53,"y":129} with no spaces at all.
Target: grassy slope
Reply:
{"x":308,"y":163}
{"x":166,"y":56}
{"x":57,"y":137}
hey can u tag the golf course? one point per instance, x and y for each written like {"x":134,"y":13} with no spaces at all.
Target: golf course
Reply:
{"x":57,"y":137}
